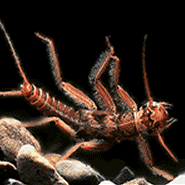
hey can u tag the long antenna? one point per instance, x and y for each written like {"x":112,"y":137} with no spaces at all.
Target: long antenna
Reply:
{"x":145,"y":78}
{"x":14,"y":53}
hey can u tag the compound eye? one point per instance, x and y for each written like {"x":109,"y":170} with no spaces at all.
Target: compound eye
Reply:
{"x":154,"y":105}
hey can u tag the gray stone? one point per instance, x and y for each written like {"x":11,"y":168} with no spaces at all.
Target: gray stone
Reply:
{"x":125,"y":175}
{"x":178,"y":180}
{"x":35,"y":169}
{"x":107,"y":183}
{"x":76,"y":172}
{"x":13,"y":135}
{"x":137,"y":181}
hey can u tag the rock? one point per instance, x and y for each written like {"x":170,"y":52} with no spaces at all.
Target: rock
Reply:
{"x":12,"y":182}
{"x":7,"y":170}
{"x":107,"y":183}
{"x":35,"y":169}
{"x":138,"y":181}
{"x":125,"y":175}
{"x":76,"y":172}
{"x":178,"y":180}
{"x":13,"y":135}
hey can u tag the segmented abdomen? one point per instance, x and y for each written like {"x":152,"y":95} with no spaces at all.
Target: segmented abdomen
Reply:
{"x":49,"y":105}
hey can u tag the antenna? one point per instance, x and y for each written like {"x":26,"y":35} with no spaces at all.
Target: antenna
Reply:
{"x":14,"y":53}
{"x":145,"y":78}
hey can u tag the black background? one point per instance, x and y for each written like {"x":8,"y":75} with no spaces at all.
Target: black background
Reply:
{"x":79,"y":42}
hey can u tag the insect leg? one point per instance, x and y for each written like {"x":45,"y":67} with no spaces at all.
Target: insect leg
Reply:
{"x":78,"y":96}
{"x":93,"y":145}
{"x":145,"y":152}
{"x":62,"y":125}
{"x":102,"y":96}
{"x":114,"y":73}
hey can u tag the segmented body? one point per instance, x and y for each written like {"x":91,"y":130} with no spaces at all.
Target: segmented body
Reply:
{"x":49,"y":105}
{"x":88,"y":124}
{"x":97,"y":130}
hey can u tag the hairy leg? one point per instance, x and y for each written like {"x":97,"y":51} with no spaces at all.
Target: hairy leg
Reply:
{"x":102,"y":96}
{"x":93,"y":145}
{"x":146,"y":154}
{"x":114,"y":73}
{"x":78,"y":96}
{"x":61,"y":124}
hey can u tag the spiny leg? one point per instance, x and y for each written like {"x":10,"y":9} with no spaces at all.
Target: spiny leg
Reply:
{"x":114,"y":73}
{"x":165,"y":147}
{"x":62,"y":125}
{"x":93,"y":145}
{"x":145,"y":152}
{"x":77,"y":95}
{"x":102,"y":96}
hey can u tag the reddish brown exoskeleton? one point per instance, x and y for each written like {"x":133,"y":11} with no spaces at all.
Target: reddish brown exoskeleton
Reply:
{"x":98,"y":129}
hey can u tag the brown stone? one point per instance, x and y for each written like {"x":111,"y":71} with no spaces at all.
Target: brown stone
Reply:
{"x":137,"y":181}
{"x":76,"y":172}
{"x":35,"y":169}
{"x":13,"y":135}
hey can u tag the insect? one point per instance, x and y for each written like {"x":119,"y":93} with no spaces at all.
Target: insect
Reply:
{"x":95,"y":129}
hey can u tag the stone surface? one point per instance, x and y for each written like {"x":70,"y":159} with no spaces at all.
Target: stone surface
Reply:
{"x":77,"y":172}
{"x":125,"y":175}
{"x":13,"y":135}
{"x":35,"y":169}
{"x":178,"y":180}
{"x":137,"y":181}
{"x":107,"y":183}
